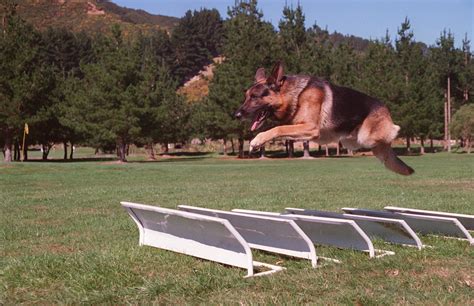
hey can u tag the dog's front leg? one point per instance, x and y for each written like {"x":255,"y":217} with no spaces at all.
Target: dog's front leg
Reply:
{"x":292,"y":132}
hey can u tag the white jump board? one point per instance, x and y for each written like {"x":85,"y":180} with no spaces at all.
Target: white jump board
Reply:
{"x":265,"y":233}
{"x":340,"y":233}
{"x":442,"y":226}
{"x":466,"y":220}
{"x":201,"y":236}
{"x":390,"y":230}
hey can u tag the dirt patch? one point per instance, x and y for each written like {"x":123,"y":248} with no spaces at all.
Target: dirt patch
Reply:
{"x":57,"y":248}
{"x":449,"y":270}
{"x":467,"y":280}
{"x":44,"y":221}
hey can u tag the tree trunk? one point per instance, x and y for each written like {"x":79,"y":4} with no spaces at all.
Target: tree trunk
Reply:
{"x":65,"y":150}
{"x":306,"y":149}
{"x":166,"y":148}
{"x":46,"y":149}
{"x":327,"y":150}
{"x":262,"y":152}
{"x":449,"y":113}
{"x":338,"y":151}
{"x":224,"y":147}
{"x":7,"y":149}
{"x":291,"y":148}
{"x":431,"y":145}
{"x":123,"y":151}
{"x":422,"y":146}
{"x":151,"y":151}
{"x":241,"y":148}
{"x":25,"y":152}
{"x":71,"y":154}
{"x":445,"y":145}
{"x":232,"y":144}
{"x":408,"y":144}
{"x":468,"y":145}
{"x":16,"y":151}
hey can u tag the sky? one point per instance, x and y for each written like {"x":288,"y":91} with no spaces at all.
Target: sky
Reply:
{"x":364,"y":18}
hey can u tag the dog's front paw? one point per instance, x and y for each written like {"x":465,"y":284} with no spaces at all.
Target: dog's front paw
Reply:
{"x":256,"y":143}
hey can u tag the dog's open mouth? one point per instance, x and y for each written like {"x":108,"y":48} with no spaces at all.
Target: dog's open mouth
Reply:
{"x":259,"y":119}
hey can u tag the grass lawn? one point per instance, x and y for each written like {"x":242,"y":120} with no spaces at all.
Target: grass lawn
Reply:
{"x":65,"y":239}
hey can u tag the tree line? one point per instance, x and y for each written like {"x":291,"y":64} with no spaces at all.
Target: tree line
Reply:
{"x":110,"y":91}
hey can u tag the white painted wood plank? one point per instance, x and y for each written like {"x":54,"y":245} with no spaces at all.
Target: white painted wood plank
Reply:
{"x":466,"y":220}
{"x":340,"y":233}
{"x":424,"y":224}
{"x":390,"y":230}
{"x":191,"y":234}
{"x":265,"y":233}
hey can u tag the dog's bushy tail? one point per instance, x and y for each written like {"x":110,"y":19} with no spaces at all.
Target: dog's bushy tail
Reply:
{"x":387,"y":156}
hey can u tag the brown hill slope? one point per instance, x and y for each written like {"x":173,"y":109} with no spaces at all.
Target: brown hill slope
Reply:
{"x":90,"y":15}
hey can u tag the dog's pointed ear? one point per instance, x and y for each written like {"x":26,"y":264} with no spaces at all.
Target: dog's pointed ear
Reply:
{"x":260,"y":75}
{"x":276,"y":77}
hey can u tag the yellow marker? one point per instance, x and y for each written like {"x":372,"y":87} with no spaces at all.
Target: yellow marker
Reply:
{"x":26,"y":131}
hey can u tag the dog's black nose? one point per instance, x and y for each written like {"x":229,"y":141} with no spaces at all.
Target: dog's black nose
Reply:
{"x":238,"y":114}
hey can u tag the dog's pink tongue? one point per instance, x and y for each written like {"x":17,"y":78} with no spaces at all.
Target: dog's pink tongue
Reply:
{"x":254,"y":125}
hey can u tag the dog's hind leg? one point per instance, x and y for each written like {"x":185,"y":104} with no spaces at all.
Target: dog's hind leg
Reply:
{"x":387,"y":156}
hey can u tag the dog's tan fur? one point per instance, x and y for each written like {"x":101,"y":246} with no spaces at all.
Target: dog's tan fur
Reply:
{"x":305,"y":108}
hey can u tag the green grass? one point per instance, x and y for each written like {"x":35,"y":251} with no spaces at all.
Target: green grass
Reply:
{"x":65,"y":239}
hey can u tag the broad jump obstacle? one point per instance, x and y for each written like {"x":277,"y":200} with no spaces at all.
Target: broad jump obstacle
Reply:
{"x":227,"y":237}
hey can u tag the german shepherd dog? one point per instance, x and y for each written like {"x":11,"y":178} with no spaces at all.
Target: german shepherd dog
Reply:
{"x":309,"y":108}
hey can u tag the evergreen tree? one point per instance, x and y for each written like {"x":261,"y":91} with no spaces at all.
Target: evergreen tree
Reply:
{"x":293,"y":38}
{"x":345,"y":65}
{"x":466,"y":73}
{"x":378,"y":71}
{"x":462,"y":125}
{"x":408,"y":108}
{"x":249,"y":43}
{"x":317,"y":56}
{"x":110,"y":94}
{"x":447,"y":67}
{"x":23,"y":78}
{"x":62,"y":51}
{"x":196,"y":39}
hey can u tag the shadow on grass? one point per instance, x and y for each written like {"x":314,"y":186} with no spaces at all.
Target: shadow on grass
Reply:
{"x":75,"y":160}
{"x":169,"y":159}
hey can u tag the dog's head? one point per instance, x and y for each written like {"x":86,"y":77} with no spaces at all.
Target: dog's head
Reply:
{"x":263,"y":98}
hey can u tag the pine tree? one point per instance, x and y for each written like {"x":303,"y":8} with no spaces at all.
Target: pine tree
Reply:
{"x":249,"y":43}
{"x":447,"y":66}
{"x":293,"y":38}
{"x":317,"y":55}
{"x":410,"y":64}
{"x":378,"y":71}
{"x":345,"y":65}
{"x":23,"y":79}
{"x":462,"y":125}
{"x":196,"y":39}
{"x":62,"y":51}
{"x":466,"y":73}
{"x":110,"y":94}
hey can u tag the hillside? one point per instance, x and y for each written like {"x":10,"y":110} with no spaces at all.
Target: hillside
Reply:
{"x":90,"y":15}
